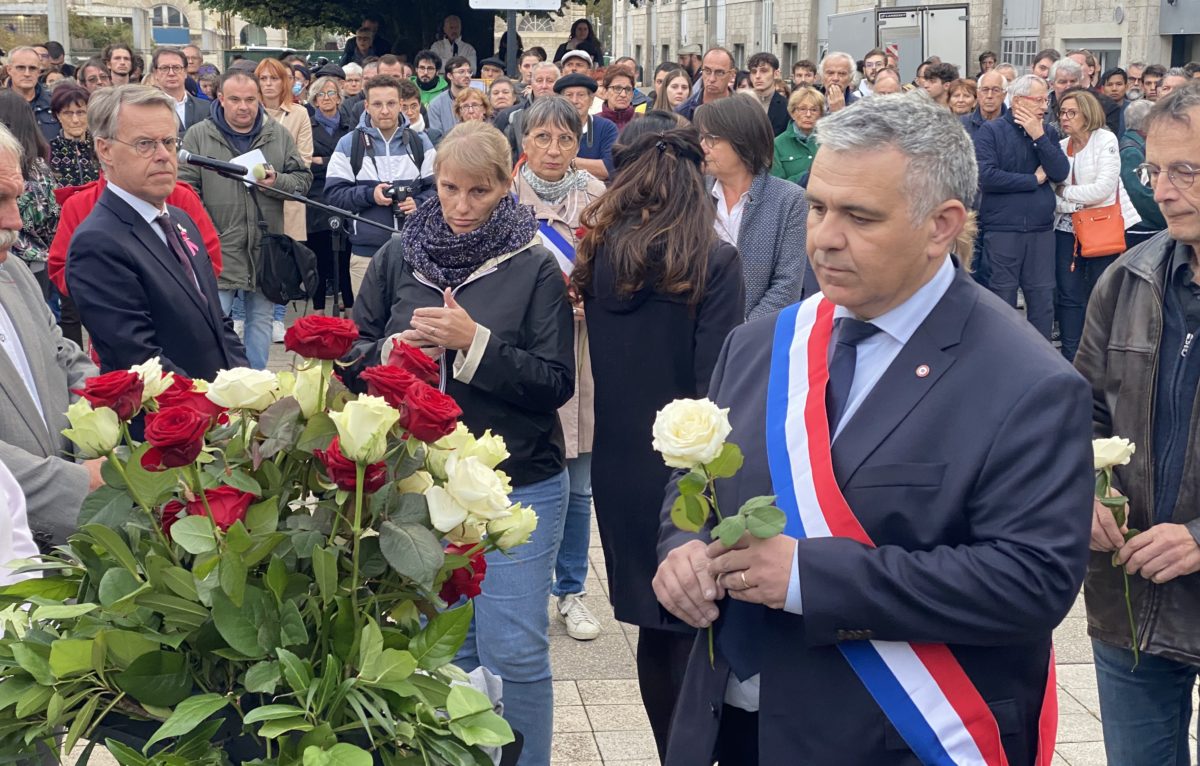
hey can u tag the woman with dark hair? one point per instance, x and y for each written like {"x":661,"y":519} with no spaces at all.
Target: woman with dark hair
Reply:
{"x":763,"y":216}
{"x":618,"y":97}
{"x":39,"y":209}
{"x":675,"y":88}
{"x":741,"y":82}
{"x":583,"y":38}
{"x":660,"y":293}
{"x":72,"y":154}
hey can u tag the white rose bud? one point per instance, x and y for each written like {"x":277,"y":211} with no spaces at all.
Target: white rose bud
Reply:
{"x":514,"y":529}
{"x":476,"y":487}
{"x":441,"y":449}
{"x":468,"y":533}
{"x":489,"y":448}
{"x":244,"y":389}
{"x":1110,"y":452}
{"x":444,"y":511}
{"x":363,"y":427}
{"x":154,"y":382}
{"x":94,"y":431}
{"x":308,"y":388}
{"x":418,"y":484}
{"x":690,"y":432}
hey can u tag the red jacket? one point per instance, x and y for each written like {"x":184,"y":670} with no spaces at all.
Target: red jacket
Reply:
{"x":78,"y":201}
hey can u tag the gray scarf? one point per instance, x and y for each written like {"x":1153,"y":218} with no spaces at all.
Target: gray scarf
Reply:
{"x":553,"y":192}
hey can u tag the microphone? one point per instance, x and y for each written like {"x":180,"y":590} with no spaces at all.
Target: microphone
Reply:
{"x":208,"y":163}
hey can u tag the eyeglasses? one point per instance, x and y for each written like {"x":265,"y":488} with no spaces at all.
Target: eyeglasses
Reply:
{"x":806,"y":110}
{"x":146,"y":147}
{"x":74,"y":114}
{"x":327,"y":94}
{"x":710,"y":139}
{"x":471,"y":108}
{"x":97,"y":79}
{"x":25,"y":68}
{"x":717,"y":73}
{"x":169,"y":69}
{"x":620,"y":90}
{"x":1035,"y":99}
{"x":1068,"y":114}
{"x":1180,"y":174}
{"x":992,"y":89}
{"x":565,"y":142}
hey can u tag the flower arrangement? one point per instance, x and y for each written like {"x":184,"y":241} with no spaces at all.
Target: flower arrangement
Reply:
{"x":280,"y":573}
{"x":1107,"y":454}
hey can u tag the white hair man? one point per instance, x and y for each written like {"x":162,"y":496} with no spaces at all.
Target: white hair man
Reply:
{"x":910,"y":340}
{"x":39,"y":370}
{"x":837,"y":77}
{"x":452,"y":43}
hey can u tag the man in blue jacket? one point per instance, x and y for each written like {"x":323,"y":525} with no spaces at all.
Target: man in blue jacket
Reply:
{"x":370,"y":164}
{"x":1018,"y":153}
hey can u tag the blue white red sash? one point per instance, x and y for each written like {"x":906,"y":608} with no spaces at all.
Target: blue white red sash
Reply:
{"x":921,"y":687}
{"x":564,"y":251}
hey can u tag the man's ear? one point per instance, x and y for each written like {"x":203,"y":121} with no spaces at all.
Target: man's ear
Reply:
{"x":945,"y":223}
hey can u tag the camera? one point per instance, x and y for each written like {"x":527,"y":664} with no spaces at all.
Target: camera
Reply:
{"x":398,"y":192}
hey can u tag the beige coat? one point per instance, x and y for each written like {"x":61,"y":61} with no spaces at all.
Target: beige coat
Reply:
{"x":577,"y":416}
{"x":294,"y":117}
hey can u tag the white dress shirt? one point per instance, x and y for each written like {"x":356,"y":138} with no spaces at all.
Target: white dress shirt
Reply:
{"x":444,"y":48}
{"x":142,"y":208}
{"x":16,"y":541}
{"x":874,"y":355}
{"x":729,"y":221}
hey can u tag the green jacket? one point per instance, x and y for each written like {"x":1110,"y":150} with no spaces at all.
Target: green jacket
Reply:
{"x":429,"y":95}
{"x":1133,"y":153}
{"x":793,"y":154}
{"x":228,"y":200}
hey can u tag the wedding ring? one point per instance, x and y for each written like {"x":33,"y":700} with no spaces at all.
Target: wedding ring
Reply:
{"x":719,"y":576}
{"x":745,"y":585}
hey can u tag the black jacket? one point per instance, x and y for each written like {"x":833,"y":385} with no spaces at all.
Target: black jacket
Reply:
{"x":323,"y":146}
{"x":777,"y":113}
{"x":46,"y":120}
{"x":527,"y":370}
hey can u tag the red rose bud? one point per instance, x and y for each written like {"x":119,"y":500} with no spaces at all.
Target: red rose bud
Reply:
{"x":119,"y":390}
{"x":428,"y":414}
{"x":414,"y":360}
{"x":182,"y":393}
{"x":320,"y":337}
{"x":392,"y":383}
{"x":340,"y":470}
{"x":228,"y":505}
{"x":176,"y":436}
{"x":466,"y":580}
{"x":171,"y":513}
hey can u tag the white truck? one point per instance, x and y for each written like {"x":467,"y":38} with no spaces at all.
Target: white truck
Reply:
{"x":913,"y":33}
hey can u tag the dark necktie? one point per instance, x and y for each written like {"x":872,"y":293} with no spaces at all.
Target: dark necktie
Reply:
{"x":175,"y":245}
{"x":454,"y":49}
{"x":848,"y":334}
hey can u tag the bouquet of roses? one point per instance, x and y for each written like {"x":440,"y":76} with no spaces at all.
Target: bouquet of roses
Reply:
{"x":276,"y":574}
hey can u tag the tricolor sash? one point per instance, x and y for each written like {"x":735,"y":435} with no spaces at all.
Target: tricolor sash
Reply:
{"x":921,"y":688}
{"x":564,"y":251}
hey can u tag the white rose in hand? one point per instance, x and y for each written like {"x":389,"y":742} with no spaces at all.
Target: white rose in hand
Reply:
{"x":363,"y":426}
{"x":1110,"y":452}
{"x":154,"y":382}
{"x":476,"y":487}
{"x":514,"y":529}
{"x":94,"y":431}
{"x":690,"y":432}
{"x":244,"y":389}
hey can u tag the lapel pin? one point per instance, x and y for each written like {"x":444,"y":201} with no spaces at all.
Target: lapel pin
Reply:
{"x":923,"y":371}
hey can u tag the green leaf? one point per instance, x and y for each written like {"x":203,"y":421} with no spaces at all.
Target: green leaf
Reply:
{"x":437,"y":644}
{"x":238,"y":478}
{"x":188,"y":715}
{"x":370,"y":649}
{"x":81,"y":722}
{"x":113,"y":543}
{"x":690,"y":512}
{"x":317,"y":433}
{"x":180,"y":582}
{"x":277,"y":577}
{"x":125,"y":755}
{"x":50,"y":588}
{"x":484,"y":729}
{"x":296,"y":672}
{"x":280,"y":424}
{"x":464,"y":701}
{"x":274,"y":729}
{"x":765,"y":521}
{"x":394,"y":666}
{"x":263,"y":517}
{"x":69,"y":656}
{"x":263,"y":677}
{"x":33,"y":700}
{"x":33,"y":662}
{"x":693,"y":482}
{"x":237,"y":625}
{"x":324,"y":561}
{"x":156,"y":678}
{"x":412,"y":551}
{"x":110,"y":507}
{"x":195,"y":534}
{"x":410,"y":508}
{"x":176,"y":610}
{"x":150,"y":488}
{"x":237,"y":538}
{"x":728,"y":463}
{"x":272,"y":713}
{"x":125,"y":646}
{"x":341,"y":754}
{"x":117,"y":589}
{"x":63,"y":611}
{"x":232,"y":575}
{"x":730,"y":530}
{"x":292,"y":630}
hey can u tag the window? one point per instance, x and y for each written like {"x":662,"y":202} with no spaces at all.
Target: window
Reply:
{"x":666,"y":55}
{"x":529,"y":22}
{"x":168,"y":16}
{"x":739,"y":55}
{"x":1019,"y":51}
{"x":791,"y":54}
{"x":24,"y":25}
{"x":252,"y":35}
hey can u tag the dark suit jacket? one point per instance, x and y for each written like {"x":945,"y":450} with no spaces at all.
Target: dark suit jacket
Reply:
{"x":777,"y":113}
{"x":137,"y":302}
{"x":194,"y":110}
{"x":975,"y":482}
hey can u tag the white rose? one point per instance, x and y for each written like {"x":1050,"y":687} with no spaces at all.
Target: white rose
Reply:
{"x":476,"y":487}
{"x":94,"y":431}
{"x":154,"y":381}
{"x":468,"y":533}
{"x":1110,"y":452}
{"x":441,"y":450}
{"x":445,"y":513}
{"x":514,"y":529}
{"x":244,"y":389}
{"x":363,"y":427}
{"x":418,"y":484}
{"x":690,"y":432}
{"x":308,"y":388}
{"x":489,"y":448}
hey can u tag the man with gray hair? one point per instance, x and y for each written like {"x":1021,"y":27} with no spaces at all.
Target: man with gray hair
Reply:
{"x":1018,"y":154}
{"x":1133,"y":154}
{"x":1065,"y":75}
{"x":972,"y":555}
{"x":837,"y":77}
{"x":39,"y":369}
{"x":24,"y":69}
{"x":511,"y":121}
{"x":1176,"y":77}
{"x":1136,"y":351}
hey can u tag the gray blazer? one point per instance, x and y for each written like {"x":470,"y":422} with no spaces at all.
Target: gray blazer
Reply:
{"x":39,"y":455}
{"x":771,"y":243}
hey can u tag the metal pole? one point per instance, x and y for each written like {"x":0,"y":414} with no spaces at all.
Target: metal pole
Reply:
{"x":510,"y":17}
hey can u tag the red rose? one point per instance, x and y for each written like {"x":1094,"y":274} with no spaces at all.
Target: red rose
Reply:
{"x":119,"y":390}
{"x":171,"y":513}
{"x":182,"y":393}
{"x":320,"y":337}
{"x":414,"y":360}
{"x":427,"y":413}
{"x":341,"y":470}
{"x":228,"y":505}
{"x":176,"y":436}
{"x":466,"y":580}
{"x":392,"y":383}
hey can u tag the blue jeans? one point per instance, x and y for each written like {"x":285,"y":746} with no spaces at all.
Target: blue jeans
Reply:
{"x":1145,"y":712}
{"x":571,"y":569}
{"x":1074,"y":280}
{"x":258,"y":312}
{"x":510,"y":634}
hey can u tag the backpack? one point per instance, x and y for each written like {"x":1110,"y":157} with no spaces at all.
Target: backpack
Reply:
{"x":287,"y":269}
{"x":408,"y":138}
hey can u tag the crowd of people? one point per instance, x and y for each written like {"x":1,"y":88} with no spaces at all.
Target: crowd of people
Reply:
{"x":578,"y":246}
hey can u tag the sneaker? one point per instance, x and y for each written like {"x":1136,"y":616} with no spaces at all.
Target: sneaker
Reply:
{"x":581,"y":625}
{"x":277,"y":331}
{"x":239,"y":327}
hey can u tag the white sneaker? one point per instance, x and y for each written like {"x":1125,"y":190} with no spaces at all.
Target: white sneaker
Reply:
{"x":277,"y":331}
{"x":581,"y":625}
{"x":239,"y":327}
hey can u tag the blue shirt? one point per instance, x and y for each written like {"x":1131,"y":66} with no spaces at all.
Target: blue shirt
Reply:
{"x":596,"y":143}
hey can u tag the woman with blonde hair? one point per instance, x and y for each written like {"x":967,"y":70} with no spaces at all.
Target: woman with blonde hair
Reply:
{"x":796,"y":147}
{"x":470,"y":284}
{"x":275,"y":83}
{"x":472,"y":105}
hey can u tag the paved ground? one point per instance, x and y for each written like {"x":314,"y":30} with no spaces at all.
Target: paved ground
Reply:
{"x":599,"y":718}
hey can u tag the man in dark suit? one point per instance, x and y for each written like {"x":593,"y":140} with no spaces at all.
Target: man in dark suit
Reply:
{"x":137,"y":267}
{"x":170,"y":75}
{"x":970,"y":520}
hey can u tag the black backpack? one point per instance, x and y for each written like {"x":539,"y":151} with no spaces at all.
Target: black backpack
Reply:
{"x":408,"y":138}
{"x":287,"y":269}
